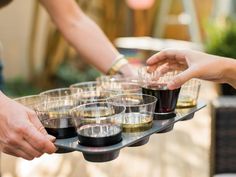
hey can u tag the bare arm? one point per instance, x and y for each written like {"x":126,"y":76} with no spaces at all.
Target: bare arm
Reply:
{"x":194,"y":65}
{"x":83,"y":34}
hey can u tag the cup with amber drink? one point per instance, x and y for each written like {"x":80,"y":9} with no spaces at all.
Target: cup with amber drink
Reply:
{"x":189,"y":94}
{"x":138,"y":113}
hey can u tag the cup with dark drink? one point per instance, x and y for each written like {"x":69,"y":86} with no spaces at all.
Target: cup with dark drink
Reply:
{"x":60,"y":94}
{"x":98,"y":124}
{"x":155,"y":84}
{"x":89,"y":92}
{"x":29,"y":101}
{"x":55,"y":117}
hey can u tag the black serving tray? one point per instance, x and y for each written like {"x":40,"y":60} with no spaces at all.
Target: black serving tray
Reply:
{"x":161,"y":124}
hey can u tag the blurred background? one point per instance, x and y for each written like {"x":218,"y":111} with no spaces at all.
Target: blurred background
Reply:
{"x":36,"y":57}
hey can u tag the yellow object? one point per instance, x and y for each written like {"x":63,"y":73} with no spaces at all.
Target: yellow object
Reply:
{"x":117,"y":65}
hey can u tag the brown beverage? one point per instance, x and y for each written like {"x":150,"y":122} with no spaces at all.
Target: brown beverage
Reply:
{"x":61,"y":133}
{"x":60,"y":128}
{"x":95,"y":131}
{"x":166,"y":99}
{"x":97,"y":135}
{"x":136,"y":122}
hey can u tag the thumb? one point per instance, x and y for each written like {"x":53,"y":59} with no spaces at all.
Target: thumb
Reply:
{"x":180,"y":79}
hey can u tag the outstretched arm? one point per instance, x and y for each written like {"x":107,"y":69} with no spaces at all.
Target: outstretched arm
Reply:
{"x":194,"y":64}
{"x":82,"y":33}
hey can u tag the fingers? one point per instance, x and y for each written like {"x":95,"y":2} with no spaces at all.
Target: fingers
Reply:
{"x":36,"y":122}
{"x":17,"y":152}
{"x":17,"y":142}
{"x":165,"y":54}
{"x":38,"y":140}
{"x":180,"y":79}
{"x":39,"y":126}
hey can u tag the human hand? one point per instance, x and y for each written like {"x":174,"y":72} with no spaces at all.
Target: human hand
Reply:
{"x":21,"y":132}
{"x":193,"y":64}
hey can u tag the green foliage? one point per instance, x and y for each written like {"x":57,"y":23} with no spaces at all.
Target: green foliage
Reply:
{"x":19,"y":87}
{"x":68,"y":74}
{"x":221,"y":39}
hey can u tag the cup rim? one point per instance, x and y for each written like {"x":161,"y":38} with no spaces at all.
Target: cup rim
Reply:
{"x":76,"y":85}
{"x":95,"y":100}
{"x":125,"y":83}
{"x":136,"y":94}
{"x":27,"y":98}
{"x":115,"y":78}
{"x":99,"y":118}
{"x":50,"y":102}
{"x":46,"y":93}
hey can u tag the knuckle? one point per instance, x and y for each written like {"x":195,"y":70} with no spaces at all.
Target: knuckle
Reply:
{"x":11,"y":140}
{"x":9,"y":151}
{"x":28,"y":157}
{"x":39,"y":155}
{"x":177,"y":81}
{"x":32,"y":114}
{"x":41,"y":145}
{"x":21,"y":129}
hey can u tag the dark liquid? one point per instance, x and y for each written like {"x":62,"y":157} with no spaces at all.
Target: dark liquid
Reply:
{"x":97,"y":135}
{"x":60,"y":128}
{"x":166,"y":99}
{"x":61,"y":133}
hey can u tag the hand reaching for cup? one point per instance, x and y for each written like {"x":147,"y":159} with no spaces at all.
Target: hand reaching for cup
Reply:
{"x":21,"y":132}
{"x":193,"y":64}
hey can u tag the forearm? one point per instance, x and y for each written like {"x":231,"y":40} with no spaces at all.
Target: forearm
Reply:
{"x":82,"y":33}
{"x":229,"y":71}
{"x":91,"y":43}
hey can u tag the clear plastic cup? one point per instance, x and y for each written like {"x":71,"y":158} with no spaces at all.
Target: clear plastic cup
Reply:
{"x":139,"y":111}
{"x":117,"y":88}
{"x":98,"y":124}
{"x":189,"y":94}
{"x":89,"y":92}
{"x":86,"y":86}
{"x":155,"y":84}
{"x":56,"y":118}
{"x":29,"y":101}
{"x":104,"y":80}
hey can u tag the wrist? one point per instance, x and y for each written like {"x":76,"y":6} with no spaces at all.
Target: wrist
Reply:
{"x":127,"y":70}
{"x":3,"y":99}
{"x":229,"y":72}
{"x":119,"y":63}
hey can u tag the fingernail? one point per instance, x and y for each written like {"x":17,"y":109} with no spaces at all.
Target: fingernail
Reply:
{"x":51,"y":138}
{"x":149,"y":69}
{"x":171,"y":85}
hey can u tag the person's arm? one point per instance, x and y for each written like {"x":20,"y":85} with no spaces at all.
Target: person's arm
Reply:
{"x":194,"y":65}
{"x":21,"y":133}
{"x":82,"y":33}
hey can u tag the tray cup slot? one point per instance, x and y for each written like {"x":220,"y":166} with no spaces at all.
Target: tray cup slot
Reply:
{"x":101,"y":157}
